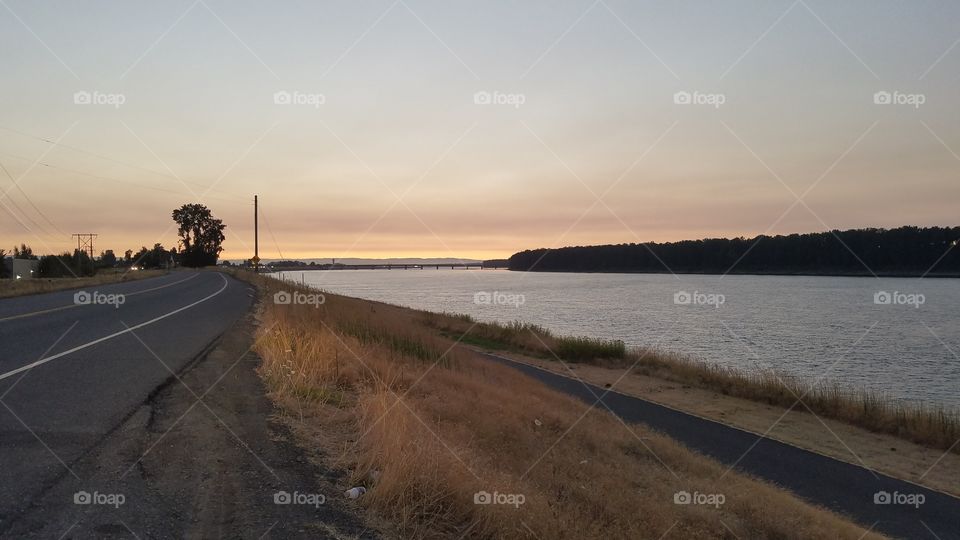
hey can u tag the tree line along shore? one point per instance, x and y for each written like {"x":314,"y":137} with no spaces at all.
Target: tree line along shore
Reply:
{"x":902,"y":252}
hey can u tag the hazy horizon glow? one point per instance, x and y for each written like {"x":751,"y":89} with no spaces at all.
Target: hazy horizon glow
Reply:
{"x":386,"y":152}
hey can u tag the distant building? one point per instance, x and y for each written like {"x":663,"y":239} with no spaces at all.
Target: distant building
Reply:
{"x":24,"y":268}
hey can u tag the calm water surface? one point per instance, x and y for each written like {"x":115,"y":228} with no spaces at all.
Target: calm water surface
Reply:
{"x":806,"y":326}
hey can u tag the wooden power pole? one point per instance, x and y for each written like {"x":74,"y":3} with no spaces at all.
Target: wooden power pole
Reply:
{"x":256,"y":237}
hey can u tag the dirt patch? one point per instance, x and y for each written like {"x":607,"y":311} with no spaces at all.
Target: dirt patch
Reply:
{"x":204,"y":457}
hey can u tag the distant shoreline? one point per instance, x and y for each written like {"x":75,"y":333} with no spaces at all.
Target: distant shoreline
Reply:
{"x":797,"y":274}
{"x":907,"y":251}
{"x":682,"y":272}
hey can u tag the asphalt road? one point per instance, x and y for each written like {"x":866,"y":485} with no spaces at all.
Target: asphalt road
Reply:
{"x":844,"y":488}
{"x":70,"y":373}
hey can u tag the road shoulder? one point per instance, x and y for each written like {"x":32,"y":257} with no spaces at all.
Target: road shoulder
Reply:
{"x":203,"y":457}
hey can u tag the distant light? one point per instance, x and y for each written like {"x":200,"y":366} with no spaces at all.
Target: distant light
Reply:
{"x":18,"y":276}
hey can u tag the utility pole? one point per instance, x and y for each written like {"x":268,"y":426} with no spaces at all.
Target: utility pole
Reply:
{"x":256,"y":237}
{"x":85,"y":243}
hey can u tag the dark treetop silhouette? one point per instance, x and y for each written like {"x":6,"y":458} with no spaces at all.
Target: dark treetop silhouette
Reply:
{"x":200,"y":234}
{"x":908,"y":251}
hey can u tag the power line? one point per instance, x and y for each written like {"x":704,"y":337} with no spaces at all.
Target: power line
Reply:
{"x":113,"y":160}
{"x":270,"y":230}
{"x":26,"y":215}
{"x":82,"y":173}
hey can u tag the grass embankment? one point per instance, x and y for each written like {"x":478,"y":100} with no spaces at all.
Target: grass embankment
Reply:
{"x":428,"y":425}
{"x":20,"y":287}
{"x":932,"y":426}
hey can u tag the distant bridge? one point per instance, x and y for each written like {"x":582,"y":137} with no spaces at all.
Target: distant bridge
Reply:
{"x":433,"y":266}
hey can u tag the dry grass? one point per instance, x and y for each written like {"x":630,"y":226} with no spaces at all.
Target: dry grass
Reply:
{"x":932,"y":426}
{"x":20,"y":287}
{"x":929,"y":425}
{"x":431,"y":426}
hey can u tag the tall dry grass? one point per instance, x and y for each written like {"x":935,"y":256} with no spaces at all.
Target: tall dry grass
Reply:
{"x":934,"y":426}
{"x":431,"y":426}
{"x":930,"y":425}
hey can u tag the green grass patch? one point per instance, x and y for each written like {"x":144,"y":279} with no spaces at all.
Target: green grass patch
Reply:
{"x":478,"y":341}
{"x":584,"y":349}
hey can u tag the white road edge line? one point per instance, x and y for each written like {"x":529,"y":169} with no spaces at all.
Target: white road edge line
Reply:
{"x":111,"y":336}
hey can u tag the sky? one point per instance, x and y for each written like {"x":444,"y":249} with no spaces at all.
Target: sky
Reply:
{"x":474,"y":128}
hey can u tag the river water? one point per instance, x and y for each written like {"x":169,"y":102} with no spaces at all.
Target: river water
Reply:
{"x":897,"y":336}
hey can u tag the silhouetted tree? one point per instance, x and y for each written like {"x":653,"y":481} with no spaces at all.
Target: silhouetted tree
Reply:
{"x":51,"y":266}
{"x":23,"y":252}
{"x":66,"y":265}
{"x":108,"y":259}
{"x":201,"y":235}
{"x":157,"y":257}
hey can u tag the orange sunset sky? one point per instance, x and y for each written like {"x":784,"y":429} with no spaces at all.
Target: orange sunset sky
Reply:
{"x":474,"y":129}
